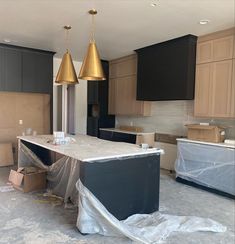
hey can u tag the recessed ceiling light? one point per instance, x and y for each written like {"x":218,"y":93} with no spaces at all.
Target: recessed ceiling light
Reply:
{"x":153,"y":4}
{"x":7,"y":40}
{"x":204,"y":21}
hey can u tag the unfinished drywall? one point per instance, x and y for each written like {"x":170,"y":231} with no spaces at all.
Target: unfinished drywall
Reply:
{"x":32,"y":108}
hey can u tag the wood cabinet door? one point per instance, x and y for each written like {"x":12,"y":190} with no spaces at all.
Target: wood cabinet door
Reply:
{"x":204,"y":52}
{"x":123,"y":67}
{"x":223,"y":48}
{"x":204,"y":78}
{"x":232,"y":104}
{"x":221,"y":89}
{"x":126,"y":103}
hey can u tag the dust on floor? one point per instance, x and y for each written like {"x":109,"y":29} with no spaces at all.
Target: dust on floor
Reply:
{"x":32,"y":219}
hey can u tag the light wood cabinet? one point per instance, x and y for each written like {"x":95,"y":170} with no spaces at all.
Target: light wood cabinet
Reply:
{"x":204,"y":79}
{"x":232,"y":111}
{"x":123,"y":67}
{"x":213,"y":91}
{"x":204,"y":52}
{"x":215,"y":50}
{"x":221,"y":89}
{"x":122,"y":88}
{"x":215,"y":76}
{"x":223,"y":48}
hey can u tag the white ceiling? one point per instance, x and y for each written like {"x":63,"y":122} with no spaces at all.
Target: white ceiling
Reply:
{"x":121,"y":25}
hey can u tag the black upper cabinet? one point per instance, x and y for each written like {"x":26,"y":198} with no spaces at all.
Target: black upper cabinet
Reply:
{"x":25,"y":69}
{"x":44,"y":73}
{"x":97,"y":109}
{"x":166,"y":71}
{"x":92,"y":92}
{"x":28,"y":72}
{"x":2,"y":69}
{"x":97,"y":91}
{"x":13,"y":70}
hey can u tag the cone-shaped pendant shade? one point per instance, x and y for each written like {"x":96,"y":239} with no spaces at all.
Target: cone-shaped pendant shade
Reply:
{"x":91,"y":67}
{"x":66,"y":73}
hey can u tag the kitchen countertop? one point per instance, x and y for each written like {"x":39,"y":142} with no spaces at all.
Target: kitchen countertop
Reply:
{"x":126,"y":131}
{"x":88,"y":148}
{"x":207,"y":143}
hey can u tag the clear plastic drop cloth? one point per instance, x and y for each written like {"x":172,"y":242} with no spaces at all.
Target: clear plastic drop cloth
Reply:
{"x":152,"y":228}
{"x":93,"y":217}
{"x":210,"y":166}
{"x":62,"y":175}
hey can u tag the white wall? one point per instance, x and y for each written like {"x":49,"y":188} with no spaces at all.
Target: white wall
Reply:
{"x":80,"y":99}
{"x":170,"y":117}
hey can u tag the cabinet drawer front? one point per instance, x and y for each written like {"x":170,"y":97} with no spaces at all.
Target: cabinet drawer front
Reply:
{"x":124,"y":137}
{"x":106,"y":135}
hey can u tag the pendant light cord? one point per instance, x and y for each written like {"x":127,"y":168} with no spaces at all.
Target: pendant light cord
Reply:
{"x":67,"y":40}
{"x":92,"y":28}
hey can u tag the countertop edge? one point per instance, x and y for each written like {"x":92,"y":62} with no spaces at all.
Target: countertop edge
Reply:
{"x":207,"y":143}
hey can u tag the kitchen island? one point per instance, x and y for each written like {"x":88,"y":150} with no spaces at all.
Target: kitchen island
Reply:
{"x":122,"y":176}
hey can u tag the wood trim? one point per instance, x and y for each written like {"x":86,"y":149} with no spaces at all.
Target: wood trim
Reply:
{"x":216,"y":35}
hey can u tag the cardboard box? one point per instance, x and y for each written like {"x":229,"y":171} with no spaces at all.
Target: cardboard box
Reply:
{"x":28,"y":179}
{"x":207,"y":133}
{"x":6,"y":154}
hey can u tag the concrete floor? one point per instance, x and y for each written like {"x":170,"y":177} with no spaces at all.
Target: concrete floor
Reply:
{"x":31,"y":219}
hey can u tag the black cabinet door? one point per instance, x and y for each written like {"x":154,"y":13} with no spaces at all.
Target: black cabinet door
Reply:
{"x":106,"y":135}
{"x":116,"y":136}
{"x":92,"y":92}
{"x":13,"y":70}
{"x":44,"y":73}
{"x":28,"y":71}
{"x":92,"y":126}
{"x":2,"y":69}
{"x":124,"y":137}
{"x":37,"y":72}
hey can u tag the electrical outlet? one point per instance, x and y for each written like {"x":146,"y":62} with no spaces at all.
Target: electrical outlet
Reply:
{"x":131,"y":123}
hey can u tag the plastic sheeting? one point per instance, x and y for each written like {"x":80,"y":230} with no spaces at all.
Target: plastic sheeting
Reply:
{"x":210,"y":166}
{"x":61,"y":175}
{"x":93,"y":217}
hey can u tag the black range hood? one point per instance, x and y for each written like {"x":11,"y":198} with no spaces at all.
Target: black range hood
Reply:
{"x":166,"y":71}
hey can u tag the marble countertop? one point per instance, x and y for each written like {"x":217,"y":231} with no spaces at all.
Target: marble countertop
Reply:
{"x":126,"y":131}
{"x":207,"y":143}
{"x":88,"y":148}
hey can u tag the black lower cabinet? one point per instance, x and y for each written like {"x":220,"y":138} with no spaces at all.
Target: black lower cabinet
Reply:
{"x":124,"y":186}
{"x":94,"y":123}
{"x":117,"y":136}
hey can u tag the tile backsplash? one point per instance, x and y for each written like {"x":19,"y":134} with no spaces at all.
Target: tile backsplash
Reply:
{"x":170,"y":117}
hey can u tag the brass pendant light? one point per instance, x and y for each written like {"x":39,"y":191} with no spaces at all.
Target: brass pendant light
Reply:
{"x":66,"y":73}
{"x":92,"y":67}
